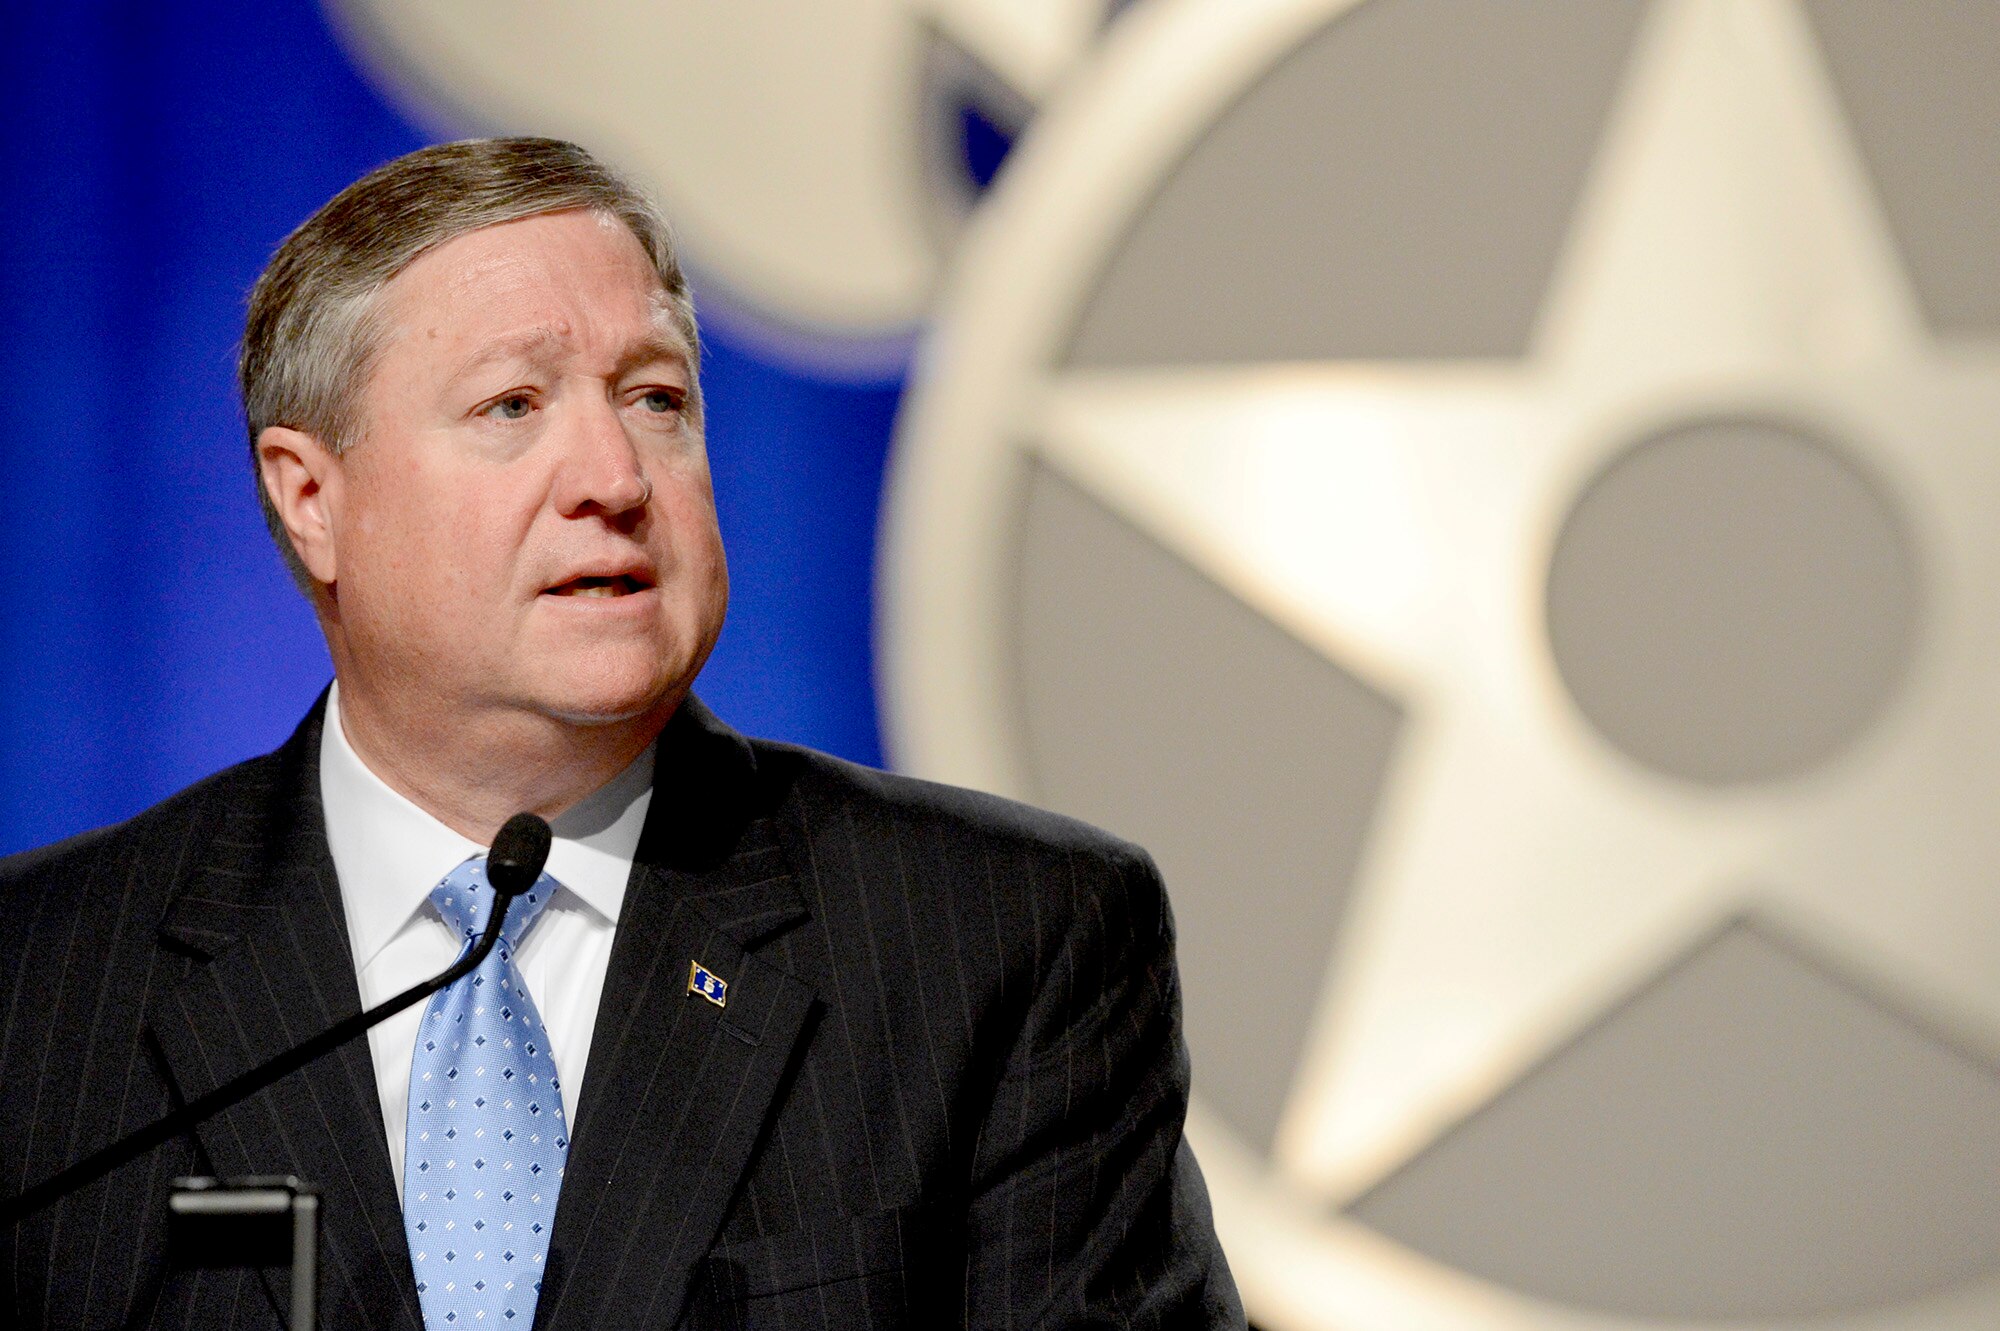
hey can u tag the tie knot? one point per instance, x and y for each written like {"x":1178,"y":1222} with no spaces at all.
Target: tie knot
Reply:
{"x":465,"y":899}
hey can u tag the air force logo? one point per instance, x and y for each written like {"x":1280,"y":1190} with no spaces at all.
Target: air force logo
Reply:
{"x":1499,"y":499}
{"x":703,"y":981}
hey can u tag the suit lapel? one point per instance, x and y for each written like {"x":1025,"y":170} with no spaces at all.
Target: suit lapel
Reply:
{"x":263,"y":915}
{"x":678,"y":1086}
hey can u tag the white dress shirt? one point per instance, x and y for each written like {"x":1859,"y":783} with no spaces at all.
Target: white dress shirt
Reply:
{"x":389,"y":854}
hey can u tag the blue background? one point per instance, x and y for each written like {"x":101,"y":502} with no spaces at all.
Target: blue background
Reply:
{"x":156,"y":156}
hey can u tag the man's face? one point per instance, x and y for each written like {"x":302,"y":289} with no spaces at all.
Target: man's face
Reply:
{"x":526,"y":524}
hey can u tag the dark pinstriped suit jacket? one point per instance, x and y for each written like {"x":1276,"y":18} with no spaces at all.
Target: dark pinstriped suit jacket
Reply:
{"x":947,"y":1086}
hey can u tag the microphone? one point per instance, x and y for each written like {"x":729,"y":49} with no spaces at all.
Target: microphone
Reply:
{"x":517,"y":857}
{"x":512,"y":866}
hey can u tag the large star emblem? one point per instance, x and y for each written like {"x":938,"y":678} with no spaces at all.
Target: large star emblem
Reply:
{"x":1729,"y":297}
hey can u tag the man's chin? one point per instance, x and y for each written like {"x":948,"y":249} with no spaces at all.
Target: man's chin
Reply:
{"x":615,"y":708}
{"x":614,"y":684}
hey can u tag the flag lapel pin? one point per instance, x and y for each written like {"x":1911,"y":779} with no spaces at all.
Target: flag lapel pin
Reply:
{"x":703,"y":981}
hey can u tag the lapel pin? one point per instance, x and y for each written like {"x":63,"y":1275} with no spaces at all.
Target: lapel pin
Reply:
{"x":703,"y":981}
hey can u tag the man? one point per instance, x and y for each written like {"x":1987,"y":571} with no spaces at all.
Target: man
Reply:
{"x":786,"y":1042}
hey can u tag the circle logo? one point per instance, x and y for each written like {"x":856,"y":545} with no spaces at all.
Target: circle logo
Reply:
{"x":1499,"y":500}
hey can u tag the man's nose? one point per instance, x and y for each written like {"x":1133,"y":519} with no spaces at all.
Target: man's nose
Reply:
{"x":601,"y":469}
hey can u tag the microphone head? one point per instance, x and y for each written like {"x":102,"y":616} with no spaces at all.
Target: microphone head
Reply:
{"x":518,"y":854}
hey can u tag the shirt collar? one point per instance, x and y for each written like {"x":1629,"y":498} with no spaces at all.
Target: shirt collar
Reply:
{"x":389,"y":853}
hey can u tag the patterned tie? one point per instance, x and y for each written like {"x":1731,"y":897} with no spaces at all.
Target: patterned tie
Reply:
{"x":483,"y":1154}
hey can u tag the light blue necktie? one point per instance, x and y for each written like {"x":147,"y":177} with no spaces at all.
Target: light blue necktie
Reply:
{"x":483,"y":1154}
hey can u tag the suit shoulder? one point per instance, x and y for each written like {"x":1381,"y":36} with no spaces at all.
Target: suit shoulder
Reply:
{"x":826,"y":785}
{"x":1036,"y":879}
{"x":162,"y":834}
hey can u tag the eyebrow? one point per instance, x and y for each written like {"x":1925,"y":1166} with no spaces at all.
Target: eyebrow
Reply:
{"x":532,"y":346}
{"x":538,"y":344}
{"x":655,"y":348}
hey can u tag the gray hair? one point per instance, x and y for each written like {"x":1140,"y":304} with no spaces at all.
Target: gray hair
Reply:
{"x":313,"y":330}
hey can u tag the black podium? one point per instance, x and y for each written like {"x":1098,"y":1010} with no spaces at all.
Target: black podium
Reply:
{"x":265,"y":1221}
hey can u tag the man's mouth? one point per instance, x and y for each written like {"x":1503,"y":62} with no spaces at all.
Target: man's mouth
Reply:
{"x":623,"y":584}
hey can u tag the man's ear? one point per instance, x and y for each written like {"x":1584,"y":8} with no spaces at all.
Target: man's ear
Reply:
{"x":302,"y":478}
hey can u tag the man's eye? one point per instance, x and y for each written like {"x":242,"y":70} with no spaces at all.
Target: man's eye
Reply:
{"x":512,"y":407}
{"x":662,"y":401}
